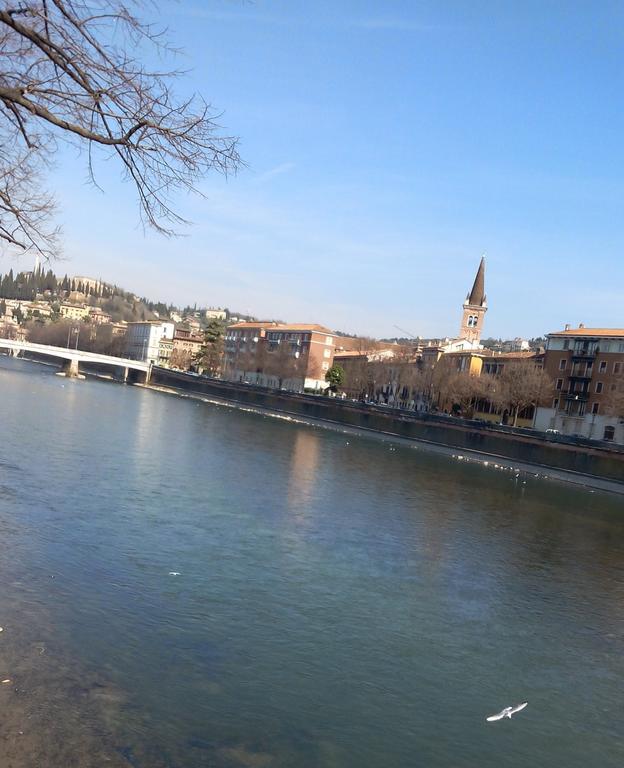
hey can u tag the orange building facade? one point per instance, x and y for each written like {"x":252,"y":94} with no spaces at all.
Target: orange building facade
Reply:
{"x":587,"y":368}
{"x":293,"y":356}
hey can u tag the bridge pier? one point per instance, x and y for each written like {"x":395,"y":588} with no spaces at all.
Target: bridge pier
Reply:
{"x":71,"y":370}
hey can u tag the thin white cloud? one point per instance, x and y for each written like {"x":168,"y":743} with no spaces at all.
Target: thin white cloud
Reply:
{"x":392,"y":24}
{"x":245,"y":13}
{"x":262,"y":178}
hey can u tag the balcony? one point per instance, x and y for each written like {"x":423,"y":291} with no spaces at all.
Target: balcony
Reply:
{"x":583,"y":354}
{"x":580,"y":376}
{"x":580,"y":396}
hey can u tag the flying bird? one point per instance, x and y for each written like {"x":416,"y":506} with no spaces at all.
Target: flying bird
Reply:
{"x":507,"y":712}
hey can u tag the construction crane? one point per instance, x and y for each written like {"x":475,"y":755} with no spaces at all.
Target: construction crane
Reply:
{"x":411,"y":335}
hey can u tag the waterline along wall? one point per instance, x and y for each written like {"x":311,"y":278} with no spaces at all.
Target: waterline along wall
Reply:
{"x":582,"y":457}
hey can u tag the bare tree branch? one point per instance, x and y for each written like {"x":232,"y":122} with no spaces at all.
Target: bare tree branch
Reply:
{"x":70,"y":71}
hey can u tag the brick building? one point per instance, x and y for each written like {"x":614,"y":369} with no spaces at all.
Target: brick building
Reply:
{"x":284,"y":356}
{"x":587,"y":368}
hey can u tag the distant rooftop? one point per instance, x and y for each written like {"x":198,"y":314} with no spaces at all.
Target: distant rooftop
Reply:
{"x":285,"y":326}
{"x":582,"y":331}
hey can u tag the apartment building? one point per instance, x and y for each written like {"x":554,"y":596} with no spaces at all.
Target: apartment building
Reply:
{"x":587,"y":368}
{"x":143,"y":339}
{"x":284,"y":356}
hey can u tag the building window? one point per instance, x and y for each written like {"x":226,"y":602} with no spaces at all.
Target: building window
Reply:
{"x":598,"y":387}
{"x":556,"y":403}
{"x":562,"y":364}
{"x":603,"y":366}
{"x":327,"y":353}
{"x":566,"y":344}
{"x":617,"y":367}
{"x":328,"y":340}
{"x":559,"y":384}
{"x":609,"y":433}
{"x":595,"y":407}
{"x":325,"y":366}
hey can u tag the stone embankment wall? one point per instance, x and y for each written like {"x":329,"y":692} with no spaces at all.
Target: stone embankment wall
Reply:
{"x":580,"y":456}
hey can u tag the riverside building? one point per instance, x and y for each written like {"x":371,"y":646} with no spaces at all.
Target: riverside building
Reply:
{"x":143,"y":339}
{"x":279,"y":355}
{"x":586,"y":366}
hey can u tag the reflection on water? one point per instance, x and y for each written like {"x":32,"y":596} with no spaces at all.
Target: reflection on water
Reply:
{"x":303,"y":472}
{"x":341,"y":601}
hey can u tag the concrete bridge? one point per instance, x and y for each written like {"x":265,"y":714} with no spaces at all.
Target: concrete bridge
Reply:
{"x":135,"y":369}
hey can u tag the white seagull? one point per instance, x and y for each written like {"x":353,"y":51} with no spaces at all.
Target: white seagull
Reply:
{"x":507,"y":712}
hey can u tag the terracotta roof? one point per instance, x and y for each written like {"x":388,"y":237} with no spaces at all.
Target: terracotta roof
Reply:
{"x":304,"y":327}
{"x":285,"y":327}
{"x":253,"y":325}
{"x":476,"y":297}
{"x":589,"y":332}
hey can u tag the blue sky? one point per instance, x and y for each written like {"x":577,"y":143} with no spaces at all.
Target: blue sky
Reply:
{"x":389,"y":145}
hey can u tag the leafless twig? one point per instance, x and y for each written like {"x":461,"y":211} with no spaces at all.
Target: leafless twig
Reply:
{"x":70,"y":71}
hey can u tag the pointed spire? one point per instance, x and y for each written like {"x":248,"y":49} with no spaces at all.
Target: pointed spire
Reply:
{"x":476,"y":297}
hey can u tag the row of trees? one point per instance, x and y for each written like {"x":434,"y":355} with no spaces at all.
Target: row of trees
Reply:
{"x":120,"y":304}
{"x":64,"y":333}
{"x":515,"y":390}
{"x":27,"y":285}
{"x":407,"y":382}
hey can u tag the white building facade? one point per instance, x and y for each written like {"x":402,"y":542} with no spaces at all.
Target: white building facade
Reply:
{"x":143,"y":339}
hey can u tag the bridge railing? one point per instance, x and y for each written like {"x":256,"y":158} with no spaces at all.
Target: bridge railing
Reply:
{"x":66,"y":353}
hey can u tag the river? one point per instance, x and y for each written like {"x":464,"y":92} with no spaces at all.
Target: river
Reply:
{"x":341,"y":601}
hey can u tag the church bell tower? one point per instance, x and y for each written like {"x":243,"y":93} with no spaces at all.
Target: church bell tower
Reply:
{"x":475,"y":308}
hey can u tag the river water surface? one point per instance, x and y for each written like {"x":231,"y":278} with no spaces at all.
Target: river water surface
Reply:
{"x":342,"y":602}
